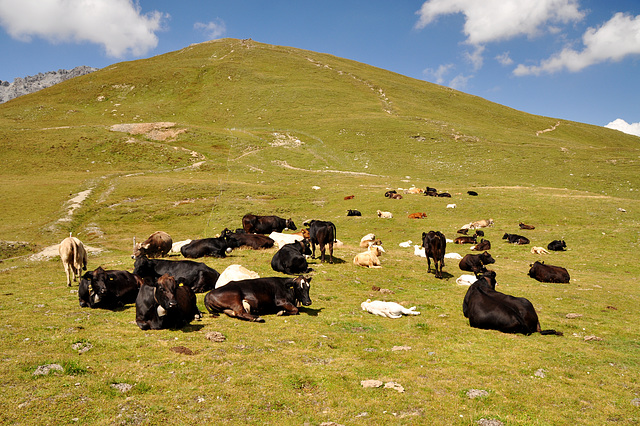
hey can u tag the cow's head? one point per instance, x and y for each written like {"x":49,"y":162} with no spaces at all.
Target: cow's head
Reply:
{"x":165,"y":293}
{"x":489,"y":278}
{"x":99,"y":279}
{"x":505,"y":236}
{"x":290,"y":225}
{"x":486,"y":258}
{"x":142,"y":267}
{"x":301,"y":286}
{"x":305,"y":247}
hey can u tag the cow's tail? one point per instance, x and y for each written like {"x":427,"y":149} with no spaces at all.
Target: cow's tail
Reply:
{"x":335,"y":233}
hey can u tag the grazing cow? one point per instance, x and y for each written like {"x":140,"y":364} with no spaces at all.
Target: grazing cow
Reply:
{"x":248,"y":299}
{"x":539,"y":250}
{"x":472,"y":193}
{"x":349,"y":197}
{"x":466,"y":240}
{"x":213,"y":247}
{"x":290,"y":259}
{"x":515,"y":239}
{"x":548,"y":273}
{"x":483,"y":223}
{"x":476,"y":262}
{"x":435,"y":244}
{"x":195,"y":275}
{"x":235,"y":273}
{"x":242,"y":239}
{"x":489,"y":309}
{"x":525,"y":226}
{"x":483,"y":245}
{"x":323,"y":233}
{"x":74,"y":258}
{"x":369,"y":258}
{"x":163,"y":303}
{"x":352,"y":212}
{"x":157,"y":245}
{"x":384,"y":215}
{"x":417,"y":215}
{"x":557,"y":245}
{"x":387,"y":309}
{"x":108,"y":289}
{"x":253,"y":224}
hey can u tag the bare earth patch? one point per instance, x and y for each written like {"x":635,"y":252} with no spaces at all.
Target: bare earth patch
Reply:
{"x":160,"y":131}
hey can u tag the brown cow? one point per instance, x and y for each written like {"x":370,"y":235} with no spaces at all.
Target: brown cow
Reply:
{"x":157,"y":245}
{"x":73,"y":256}
{"x":417,"y":216}
{"x":466,"y":240}
{"x":525,"y":226}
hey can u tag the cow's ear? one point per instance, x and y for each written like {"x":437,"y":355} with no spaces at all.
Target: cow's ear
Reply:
{"x":88,"y":275}
{"x":146,"y":246}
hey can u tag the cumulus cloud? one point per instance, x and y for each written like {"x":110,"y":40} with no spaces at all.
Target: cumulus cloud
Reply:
{"x":214,"y":29}
{"x":498,"y":20}
{"x":117,"y":25}
{"x":439,"y":73}
{"x":504,"y":59}
{"x":613,"y":41}
{"x":460,"y":81}
{"x":623,"y":126}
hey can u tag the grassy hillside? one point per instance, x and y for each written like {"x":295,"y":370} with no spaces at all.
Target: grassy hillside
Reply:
{"x":251,"y":127}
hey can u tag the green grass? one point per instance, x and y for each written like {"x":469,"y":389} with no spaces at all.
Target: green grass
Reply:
{"x":232,"y":97}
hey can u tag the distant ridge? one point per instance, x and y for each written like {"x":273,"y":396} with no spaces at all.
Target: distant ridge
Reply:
{"x":30,"y":84}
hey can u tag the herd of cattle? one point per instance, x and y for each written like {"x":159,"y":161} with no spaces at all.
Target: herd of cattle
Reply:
{"x":164,"y":291}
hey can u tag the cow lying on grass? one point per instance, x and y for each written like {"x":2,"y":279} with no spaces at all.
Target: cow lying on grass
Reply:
{"x":165,"y":304}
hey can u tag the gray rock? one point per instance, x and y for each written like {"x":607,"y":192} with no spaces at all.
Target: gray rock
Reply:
{"x":33,"y":83}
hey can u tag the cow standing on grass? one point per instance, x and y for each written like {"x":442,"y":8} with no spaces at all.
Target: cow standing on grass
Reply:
{"x":435,"y":245}
{"x":323,"y":233}
{"x":74,"y":258}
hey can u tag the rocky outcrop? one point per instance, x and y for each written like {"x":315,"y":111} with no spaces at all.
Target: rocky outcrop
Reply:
{"x":30,"y":84}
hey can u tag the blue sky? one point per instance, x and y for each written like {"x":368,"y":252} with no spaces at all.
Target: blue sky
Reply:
{"x":570,"y":59}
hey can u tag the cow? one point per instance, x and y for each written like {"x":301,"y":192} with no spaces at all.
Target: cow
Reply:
{"x":352,"y":212}
{"x":235,"y":273}
{"x":444,"y":195}
{"x":483,"y":245}
{"x":349,"y":197}
{"x":476,"y":263}
{"x":253,"y":224}
{"x":489,"y":309}
{"x":483,"y":223}
{"x":466,"y":279}
{"x":435,"y":244}
{"x":417,"y":215}
{"x":472,"y":193}
{"x":384,"y":215}
{"x":304,"y":233}
{"x":195,"y":275}
{"x":387,"y":309}
{"x":176,"y":246}
{"x":323,"y":233}
{"x":282,"y":239}
{"x":248,"y":299}
{"x":525,"y":226}
{"x":290,"y":259}
{"x":463,"y":231}
{"x":369,"y":239}
{"x":395,"y":196}
{"x":108,"y":289}
{"x":157,"y":245}
{"x":163,"y":303}
{"x":212,"y":247}
{"x":557,"y":245}
{"x":548,"y":273}
{"x":369,"y":258}
{"x":414,"y":190}
{"x":538,"y":250}
{"x":74,"y":258}
{"x":242,"y":239}
{"x":466,"y":240}
{"x":515,"y":239}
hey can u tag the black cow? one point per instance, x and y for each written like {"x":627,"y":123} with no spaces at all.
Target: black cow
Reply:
{"x":444,"y":194}
{"x":108,"y":289}
{"x":248,"y":299}
{"x":352,"y":212}
{"x":242,"y":239}
{"x":213,"y":247}
{"x":472,"y":193}
{"x":165,"y":304}
{"x":435,"y":245}
{"x":548,"y":273}
{"x":476,"y":263}
{"x":489,"y":309}
{"x":557,"y":245}
{"x":483,"y":245}
{"x":195,"y":275}
{"x":253,"y":224}
{"x":322,"y":233}
{"x":515,"y":239}
{"x":290,"y":259}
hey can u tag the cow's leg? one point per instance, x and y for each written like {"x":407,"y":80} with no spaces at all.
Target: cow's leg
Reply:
{"x":322,"y":252}
{"x":313,"y":250}
{"x":331,"y":253}
{"x":68,"y":271}
{"x":428,"y":264}
{"x":287,"y":308}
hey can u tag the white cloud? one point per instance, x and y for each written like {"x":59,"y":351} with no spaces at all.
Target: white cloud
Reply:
{"x":623,"y":126}
{"x":460,"y":81}
{"x":439,"y":73}
{"x":504,"y":59}
{"x":117,"y":25}
{"x":614,"y":40}
{"x":497,"y":20}
{"x":214,"y":29}
{"x":475,"y":57}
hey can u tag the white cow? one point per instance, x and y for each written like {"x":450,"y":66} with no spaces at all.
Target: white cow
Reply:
{"x":235,"y":273}
{"x":367,"y":240}
{"x":368,"y":258}
{"x":73,"y":256}
{"x":466,"y":279}
{"x":385,"y":215}
{"x":453,"y":256}
{"x":175,"y":247}
{"x":282,"y":239}
{"x":387,"y":309}
{"x":539,"y":250}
